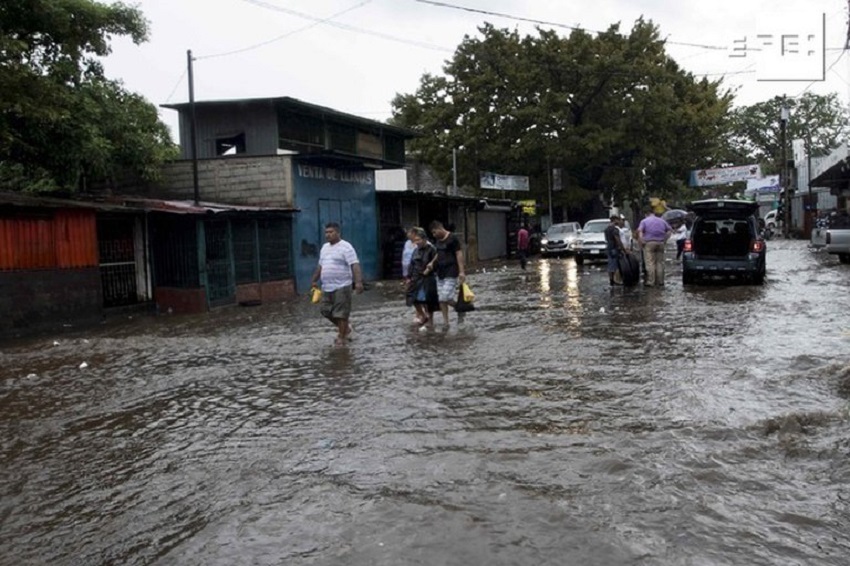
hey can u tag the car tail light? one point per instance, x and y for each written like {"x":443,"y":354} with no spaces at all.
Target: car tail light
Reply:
{"x":689,"y":246}
{"x":757,"y":246}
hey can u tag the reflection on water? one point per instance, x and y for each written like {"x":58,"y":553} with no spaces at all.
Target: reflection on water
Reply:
{"x":670,"y":426}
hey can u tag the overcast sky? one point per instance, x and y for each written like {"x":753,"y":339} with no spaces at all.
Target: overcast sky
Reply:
{"x":355,"y":55}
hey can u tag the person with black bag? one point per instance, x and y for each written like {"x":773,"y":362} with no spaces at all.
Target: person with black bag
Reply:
{"x":614,"y":248}
{"x":450,"y":268}
{"x":422,"y":281}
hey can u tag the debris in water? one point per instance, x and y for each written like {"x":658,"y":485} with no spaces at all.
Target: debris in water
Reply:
{"x":84,"y":365}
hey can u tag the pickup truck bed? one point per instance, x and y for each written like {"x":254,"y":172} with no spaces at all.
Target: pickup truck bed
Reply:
{"x":837,"y":242}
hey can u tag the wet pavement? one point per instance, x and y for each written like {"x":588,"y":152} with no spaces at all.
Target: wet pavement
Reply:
{"x":565,"y":422}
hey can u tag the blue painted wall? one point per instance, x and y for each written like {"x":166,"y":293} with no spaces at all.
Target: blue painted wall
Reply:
{"x":325,"y":194}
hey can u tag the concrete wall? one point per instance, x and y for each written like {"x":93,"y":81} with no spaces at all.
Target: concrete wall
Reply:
{"x":268,"y":292}
{"x":172,"y":300}
{"x":256,"y":181}
{"x":40,"y":300}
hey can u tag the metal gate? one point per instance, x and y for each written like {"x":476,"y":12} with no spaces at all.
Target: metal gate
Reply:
{"x":115,"y":238}
{"x":221,"y":286}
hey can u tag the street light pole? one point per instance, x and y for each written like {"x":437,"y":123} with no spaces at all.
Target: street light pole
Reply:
{"x":812,"y":207}
{"x":549,"y":178}
{"x":783,"y":170}
{"x":194,"y":129}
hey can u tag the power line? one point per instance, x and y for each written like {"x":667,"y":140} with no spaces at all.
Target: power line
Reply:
{"x":315,"y":23}
{"x":837,"y":59}
{"x":549,"y":23}
{"x":177,"y":84}
{"x":347,"y":27}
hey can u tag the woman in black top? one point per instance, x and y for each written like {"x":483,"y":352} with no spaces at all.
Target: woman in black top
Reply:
{"x":422,"y":289}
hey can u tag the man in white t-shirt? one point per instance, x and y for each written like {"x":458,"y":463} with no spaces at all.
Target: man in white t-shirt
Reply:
{"x":338,"y":268}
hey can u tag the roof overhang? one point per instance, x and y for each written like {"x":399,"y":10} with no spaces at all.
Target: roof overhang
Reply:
{"x":191,"y":207}
{"x":131,"y":204}
{"x":833,"y":171}
{"x":296,"y":105}
{"x":341,"y":160}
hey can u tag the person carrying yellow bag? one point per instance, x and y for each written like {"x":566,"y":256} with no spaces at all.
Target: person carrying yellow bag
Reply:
{"x":468,"y":295}
{"x":449,"y":267}
{"x":465,"y":299}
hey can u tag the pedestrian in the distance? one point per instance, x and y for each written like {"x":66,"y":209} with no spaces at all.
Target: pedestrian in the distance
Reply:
{"x":653,"y":233}
{"x":614,"y":248}
{"x":522,"y":241}
{"x":338,"y":268}
{"x":450,"y":268}
{"x":680,"y":233}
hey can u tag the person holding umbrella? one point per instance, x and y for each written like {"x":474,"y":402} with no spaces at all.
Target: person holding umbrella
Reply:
{"x":680,"y":233}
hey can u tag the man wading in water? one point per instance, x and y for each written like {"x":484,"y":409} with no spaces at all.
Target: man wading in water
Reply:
{"x":450,"y":268}
{"x":338,"y":265}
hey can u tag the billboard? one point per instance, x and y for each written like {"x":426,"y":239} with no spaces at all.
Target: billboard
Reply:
{"x":724,"y":175}
{"x":499,"y":182}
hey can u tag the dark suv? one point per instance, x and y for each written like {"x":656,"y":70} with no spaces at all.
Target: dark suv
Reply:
{"x":724,"y":241}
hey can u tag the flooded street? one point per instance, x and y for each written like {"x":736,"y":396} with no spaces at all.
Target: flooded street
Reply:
{"x":565,"y":422}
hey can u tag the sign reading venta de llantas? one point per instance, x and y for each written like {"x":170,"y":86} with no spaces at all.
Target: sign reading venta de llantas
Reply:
{"x":502,"y":182}
{"x":724,"y":175}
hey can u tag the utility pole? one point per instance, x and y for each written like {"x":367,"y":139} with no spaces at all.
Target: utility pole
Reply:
{"x":812,"y":207}
{"x":549,"y":177}
{"x":454,"y":171}
{"x":194,"y":130}
{"x":783,"y":169}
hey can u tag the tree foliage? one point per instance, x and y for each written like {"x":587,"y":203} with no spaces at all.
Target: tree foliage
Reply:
{"x":613,"y":111}
{"x":62,"y":122}
{"x":820,"y":120}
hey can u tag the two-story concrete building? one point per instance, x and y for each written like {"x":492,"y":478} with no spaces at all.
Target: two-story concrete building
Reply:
{"x":285,"y":153}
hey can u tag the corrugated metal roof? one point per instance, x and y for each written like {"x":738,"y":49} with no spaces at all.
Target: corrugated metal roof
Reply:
{"x":134,"y":204}
{"x":189,"y":206}
{"x":34,"y":201}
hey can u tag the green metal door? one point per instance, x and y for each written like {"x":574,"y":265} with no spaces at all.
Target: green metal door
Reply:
{"x":221,"y":286}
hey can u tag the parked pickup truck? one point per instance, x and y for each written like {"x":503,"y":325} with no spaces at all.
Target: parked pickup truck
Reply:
{"x":836,"y":237}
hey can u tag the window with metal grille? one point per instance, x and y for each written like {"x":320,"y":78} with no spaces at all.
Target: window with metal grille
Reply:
{"x":394,"y":149}
{"x":300,"y":132}
{"x":274,"y":243}
{"x":175,"y":252}
{"x":343,"y":138}
{"x":245,"y":251}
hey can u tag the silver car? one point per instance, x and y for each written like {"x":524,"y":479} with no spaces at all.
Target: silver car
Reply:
{"x":558,"y":239}
{"x":591,"y":246}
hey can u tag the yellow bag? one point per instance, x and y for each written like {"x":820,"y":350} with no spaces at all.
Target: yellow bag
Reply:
{"x":468,"y":295}
{"x":315,"y":294}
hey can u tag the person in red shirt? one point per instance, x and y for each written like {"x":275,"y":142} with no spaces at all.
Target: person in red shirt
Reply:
{"x":522,"y":240}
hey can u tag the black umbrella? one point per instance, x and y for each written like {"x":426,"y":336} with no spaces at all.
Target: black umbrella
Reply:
{"x":674,"y":215}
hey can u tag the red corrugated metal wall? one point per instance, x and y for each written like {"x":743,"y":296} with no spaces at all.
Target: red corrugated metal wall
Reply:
{"x":65,"y":239}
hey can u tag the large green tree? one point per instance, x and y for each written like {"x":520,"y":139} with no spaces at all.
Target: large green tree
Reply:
{"x":821,"y":121}
{"x":612,"y":110}
{"x":63,"y":124}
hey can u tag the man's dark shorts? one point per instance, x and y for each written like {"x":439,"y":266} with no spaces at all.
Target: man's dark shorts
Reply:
{"x":613,"y":261}
{"x":337,"y":304}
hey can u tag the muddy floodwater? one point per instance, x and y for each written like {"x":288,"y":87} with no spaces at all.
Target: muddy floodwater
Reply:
{"x":565,"y":422}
